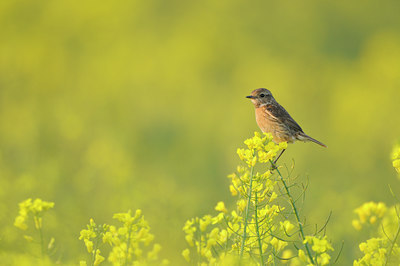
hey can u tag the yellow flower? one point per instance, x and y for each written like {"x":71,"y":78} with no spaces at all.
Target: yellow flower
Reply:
{"x":186,"y":255}
{"x":302,"y":256}
{"x":218,"y":218}
{"x":323,"y":259}
{"x":189,"y":228}
{"x":273,"y":196}
{"x":123,"y":231}
{"x":223,"y":236}
{"x":107,"y":237}
{"x":253,"y":161}
{"x":375,"y":250}
{"x":287,"y":254}
{"x":89,"y":245}
{"x":369,"y":212}
{"x":39,"y":205}
{"x":20,"y":222}
{"x":240,"y":152}
{"x":28,"y":238}
{"x":38,"y":222}
{"x":265,"y":157}
{"x":357,"y":225}
{"x":321,"y":245}
{"x":283,"y":145}
{"x":51,"y":243}
{"x":241,"y":205}
{"x":396,"y":158}
{"x":189,"y":240}
{"x":34,"y":208}
{"x":153,"y":255}
{"x":396,"y":165}
{"x":255,"y":142}
{"x":98,"y":258}
{"x":318,"y":245}
{"x":278,"y":244}
{"x":396,"y":152}
{"x":233,"y":190}
{"x":205,"y":222}
{"x":138,"y":213}
{"x":87,"y":234}
{"x":266,"y":175}
{"x":221,"y":207}
{"x":286,"y":226}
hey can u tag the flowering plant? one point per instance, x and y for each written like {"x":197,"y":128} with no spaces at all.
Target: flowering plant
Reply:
{"x":260,"y":229}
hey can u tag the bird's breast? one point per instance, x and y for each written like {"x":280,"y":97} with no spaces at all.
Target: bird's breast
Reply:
{"x":264,"y":120}
{"x":269,"y":124}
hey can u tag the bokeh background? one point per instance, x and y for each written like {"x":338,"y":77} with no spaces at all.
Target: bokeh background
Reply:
{"x":107,"y":106}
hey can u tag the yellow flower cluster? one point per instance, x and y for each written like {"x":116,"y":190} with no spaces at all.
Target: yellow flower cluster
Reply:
{"x":260,"y":148}
{"x":369,"y":213}
{"x":390,"y":223}
{"x":92,"y":238}
{"x":396,"y":158}
{"x":383,"y":248}
{"x":128,"y":242}
{"x":35,"y":208}
{"x":203,"y":237}
{"x":254,"y":230}
{"x":376,"y":252}
{"x":320,"y":246}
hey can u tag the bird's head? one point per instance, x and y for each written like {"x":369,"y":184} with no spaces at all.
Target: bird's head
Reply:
{"x":261,"y":96}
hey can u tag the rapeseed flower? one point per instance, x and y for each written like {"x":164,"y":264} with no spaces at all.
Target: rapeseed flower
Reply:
{"x":254,"y":229}
{"x":369,"y":213}
{"x":186,"y":254}
{"x":221,"y":207}
{"x":128,"y":242}
{"x":34,"y":208}
{"x":375,"y":251}
{"x":396,"y":158}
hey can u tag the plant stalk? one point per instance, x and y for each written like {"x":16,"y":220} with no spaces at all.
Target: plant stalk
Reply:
{"x":296,"y":214}
{"x":40,"y":235}
{"x":244,"y":236}
{"x":128,"y":244}
{"x":258,"y":231}
{"x":393,"y":244}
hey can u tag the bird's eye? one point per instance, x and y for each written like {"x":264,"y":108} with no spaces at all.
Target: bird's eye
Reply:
{"x":262,"y":95}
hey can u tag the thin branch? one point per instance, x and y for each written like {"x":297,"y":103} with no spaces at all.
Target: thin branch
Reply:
{"x":247,"y":210}
{"x":340,"y":252}
{"x":296,"y":213}
{"x":393,"y":244}
{"x":326,"y":223}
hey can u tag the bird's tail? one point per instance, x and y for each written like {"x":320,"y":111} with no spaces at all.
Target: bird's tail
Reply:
{"x":304,"y":137}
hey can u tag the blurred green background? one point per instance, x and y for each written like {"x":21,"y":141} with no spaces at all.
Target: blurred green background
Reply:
{"x":107,"y":106}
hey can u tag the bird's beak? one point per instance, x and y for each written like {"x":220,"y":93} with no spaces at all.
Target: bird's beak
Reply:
{"x":250,"y":97}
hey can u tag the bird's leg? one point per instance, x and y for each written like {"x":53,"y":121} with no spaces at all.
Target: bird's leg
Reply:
{"x":279,"y":156}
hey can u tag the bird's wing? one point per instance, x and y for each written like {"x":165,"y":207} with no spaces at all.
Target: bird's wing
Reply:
{"x":280,"y":114}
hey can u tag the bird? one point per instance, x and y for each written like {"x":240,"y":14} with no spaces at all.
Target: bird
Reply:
{"x":272,"y":118}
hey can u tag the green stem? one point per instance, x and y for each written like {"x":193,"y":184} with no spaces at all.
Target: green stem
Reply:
{"x":128,"y":243}
{"x":41,"y":241}
{"x":393,"y":243}
{"x":40,"y":234}
{"x":199,"y":247}
{"x":296,"y":214}
{"x":244,"y":236}
{"x":258,"y":232}
{"x":94,"y":252}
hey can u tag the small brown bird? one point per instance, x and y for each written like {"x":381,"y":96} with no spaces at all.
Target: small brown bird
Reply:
{"x":273,"y":118}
